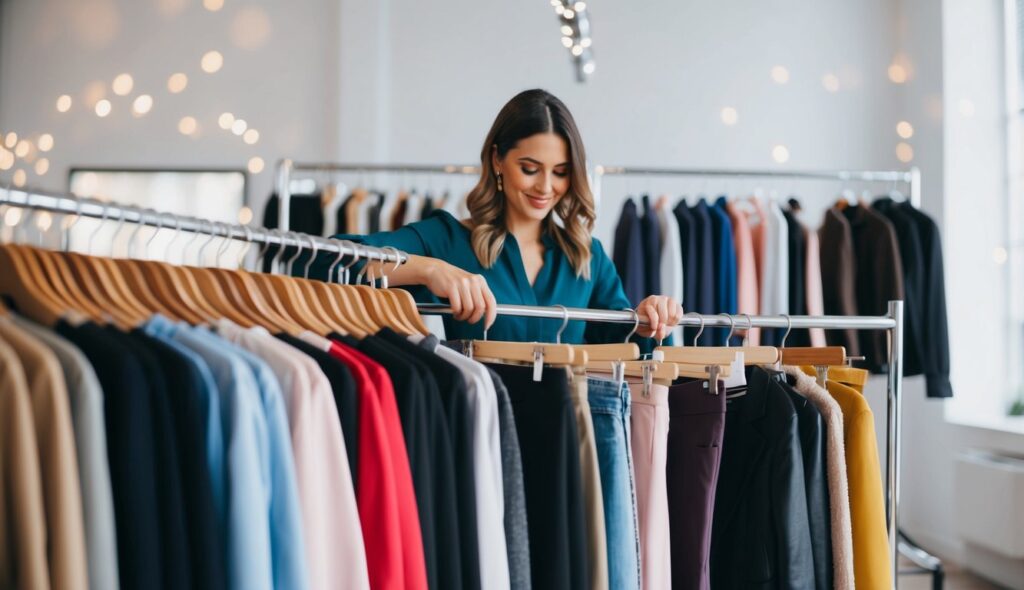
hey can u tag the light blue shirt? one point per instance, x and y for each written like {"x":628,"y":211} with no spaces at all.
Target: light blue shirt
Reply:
{"x":241,"y":475}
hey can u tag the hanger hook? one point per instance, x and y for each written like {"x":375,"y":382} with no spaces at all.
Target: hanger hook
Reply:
{"x":337,"y":261}
{"x":177,"y":232}
{"x":117,"y":230}
{"x":312,"y":257}
{"x":225,"y":244}
{"x":732,"y":327}
{"x":103,"y":218}
{"x":398,"y":262}
{"x":701,"y":329}
{"x":789,"y":328}
{"x":74,"y":221}
{"x":565,"y":322}
{"x":356,"y":256}
{"x":248,"y":245}
{"x":195,"y":236}
{"x":750,"y":326}
{"x":298,"y":252}
{"x":636,"y":322}
{"x":135,"y":233}
{"x":280,"y":251}
{"x":213,"y":235}
{"x":263,"y":249}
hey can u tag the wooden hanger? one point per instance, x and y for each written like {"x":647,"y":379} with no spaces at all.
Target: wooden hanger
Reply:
{"x":63,"y":281}
{"x":30,"y":298}
{"x":338,"y":302}
{"x":351,"y":301}
{"x":601,"y":353}
{"x":290,"y":297}
{"x":719,"y":355}
{"x":401,"y":300}
{"x":379,"y":306}
{"x":536,"y":353}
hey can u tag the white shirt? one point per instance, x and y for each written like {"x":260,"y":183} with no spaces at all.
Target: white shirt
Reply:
{"x":671,"y":261}
{"x":335,"y":551}
{"x":413,"y":209}
{"x":775,"y":277}
{"x":490,"y":490}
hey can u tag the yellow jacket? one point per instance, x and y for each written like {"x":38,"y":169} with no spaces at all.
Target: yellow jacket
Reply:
{"x":871,"y":556}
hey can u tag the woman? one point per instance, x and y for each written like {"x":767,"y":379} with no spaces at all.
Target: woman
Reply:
{"x":512,"y":249}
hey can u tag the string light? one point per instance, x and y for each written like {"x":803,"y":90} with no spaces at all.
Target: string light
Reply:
{"x":225,"y":121}
{"x":13,"y":215}
{"x":239,"y":126}
{"x":19,"y":178}
{"x":589,"y":67}
{"x":251,"y":136}
{"x":577,"y":50}
{"x":780,"y":154}
{"x":142,"y":105}
{"x":255,"y":164}
{"x":102,"y":108}
{"x":213,"y":5}
{"x":123,"y":84}
{"x":830,"y":82}
{"x":11,"y":140}
{"x":6,"y":159}
{"x":897,"y":73}
{"x":904,"y":152}
{"x":567,"y":42}
{"x":21,"y":150}
{"x":566,"y":30}
{"x":177,"y":83}
{"x":187,"y":125}
{"x":730,"y":116}
{"x":63,"y":103}
{"x":42,"y":166}
{"x":904,"y":130}
{"x":45,"y":142}
{"x":780,"y":75}
{"x":212,"y":62}
{"x":44,"y":220}
{"x":244,"y":215}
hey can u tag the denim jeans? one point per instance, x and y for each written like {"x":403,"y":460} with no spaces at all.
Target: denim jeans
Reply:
{"x":609,"y":408}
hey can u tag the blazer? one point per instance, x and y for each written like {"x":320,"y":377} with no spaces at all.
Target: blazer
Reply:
{"x":760,"y":533}
{"x":707,"y":293}
{"x":688,"y":243}
{"x":811,"y":426}
{"x":797,"y":283}
{"x":840,"y":526}
{"x":838,"y":272}
{"x":651,"y":238}
{"x":934,"y":352}
{"x":725,"y":261}
{"x":878,"y":277}
{"x":628,"y":252}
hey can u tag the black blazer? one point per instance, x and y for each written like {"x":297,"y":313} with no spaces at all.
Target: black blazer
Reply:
{"x":760,"y":534}
{"x":628,"y":253}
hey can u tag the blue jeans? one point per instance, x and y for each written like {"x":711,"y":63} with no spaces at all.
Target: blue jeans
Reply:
{"x":609,"y":409}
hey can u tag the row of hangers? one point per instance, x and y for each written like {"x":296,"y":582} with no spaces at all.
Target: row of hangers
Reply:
{"x":48,"y":286}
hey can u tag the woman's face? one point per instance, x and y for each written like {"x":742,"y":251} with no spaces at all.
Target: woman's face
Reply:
{"x":535,"y":174}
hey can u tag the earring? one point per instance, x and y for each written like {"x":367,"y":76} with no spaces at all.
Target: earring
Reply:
{"x":501,"y":187}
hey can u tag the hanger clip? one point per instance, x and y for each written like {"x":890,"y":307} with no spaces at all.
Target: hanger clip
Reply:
{"x":538,"y":362}
{"x":712,"y":383}
{"x":648,"y":378}
{"x":469,"y":349}
{"x":822,"y":372}
{"x":619,"y":373}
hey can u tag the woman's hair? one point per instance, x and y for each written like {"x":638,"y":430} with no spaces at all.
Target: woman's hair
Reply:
{"x":529,"y":113}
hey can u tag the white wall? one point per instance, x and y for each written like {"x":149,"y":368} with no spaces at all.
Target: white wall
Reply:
{"x":280,"y":74}
{"x":664,"y":71}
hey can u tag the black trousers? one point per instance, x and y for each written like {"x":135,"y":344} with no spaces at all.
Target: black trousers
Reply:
{"x":546,"y":426}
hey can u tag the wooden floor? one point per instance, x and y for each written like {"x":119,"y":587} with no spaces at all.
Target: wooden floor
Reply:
{"x":956,"y":579}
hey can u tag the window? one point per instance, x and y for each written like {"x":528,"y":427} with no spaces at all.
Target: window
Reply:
{"x":1013,"y":253}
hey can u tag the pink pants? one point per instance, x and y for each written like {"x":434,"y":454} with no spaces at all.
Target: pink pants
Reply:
{"x":649,"y":424}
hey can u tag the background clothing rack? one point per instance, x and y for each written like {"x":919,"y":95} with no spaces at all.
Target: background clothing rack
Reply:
{"x":288,"y":169}
{"x":892,"y":322}
{"x":911,"y":177}
{"x":74,"y":205}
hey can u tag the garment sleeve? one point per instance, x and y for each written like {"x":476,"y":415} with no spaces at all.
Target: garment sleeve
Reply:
{"x":608,"y":294}
{"x":935,"y":355}
{"x":888,"y":287}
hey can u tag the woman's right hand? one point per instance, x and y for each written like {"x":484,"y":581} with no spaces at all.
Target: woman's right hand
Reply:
{"x":468,"y":294}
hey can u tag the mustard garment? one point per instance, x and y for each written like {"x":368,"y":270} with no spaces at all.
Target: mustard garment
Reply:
{"x":872,"y":569}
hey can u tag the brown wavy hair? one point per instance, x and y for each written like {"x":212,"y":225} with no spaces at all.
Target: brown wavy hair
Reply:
{"x":529,"y":113}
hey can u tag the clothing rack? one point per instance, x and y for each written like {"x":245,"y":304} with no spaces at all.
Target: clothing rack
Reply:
{"x":287,"y":169}
{"x":891,"y":322}
{"x":66,"y":203}
{"x":912,"y":177}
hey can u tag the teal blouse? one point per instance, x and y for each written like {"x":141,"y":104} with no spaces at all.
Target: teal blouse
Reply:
{"x":442,"y":236}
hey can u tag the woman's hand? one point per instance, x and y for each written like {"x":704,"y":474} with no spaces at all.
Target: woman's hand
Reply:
{"x":662,"y":313}
{"x":468,"y":294}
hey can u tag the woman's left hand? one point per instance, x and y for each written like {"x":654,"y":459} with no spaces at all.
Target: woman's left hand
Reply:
{"x":662,"y":313}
